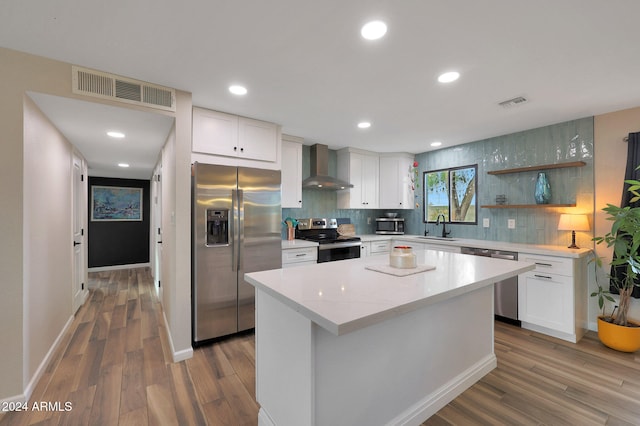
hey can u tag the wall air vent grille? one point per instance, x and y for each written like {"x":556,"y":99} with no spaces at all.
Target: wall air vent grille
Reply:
{"x":109,"y":86}
{"x":514,"y":102}
{"x":126,"y":90}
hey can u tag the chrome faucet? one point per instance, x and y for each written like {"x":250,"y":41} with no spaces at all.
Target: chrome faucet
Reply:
{"x":444,"y":227}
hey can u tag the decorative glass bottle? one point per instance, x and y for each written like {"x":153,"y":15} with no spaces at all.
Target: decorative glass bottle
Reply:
{"x":543,"y":189}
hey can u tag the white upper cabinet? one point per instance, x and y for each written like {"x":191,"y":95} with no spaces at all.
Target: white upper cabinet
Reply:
{"x":395,"y":181}
{"x":361,"y":169}
{"x":291,"y":173}
{"x":228,"y":135}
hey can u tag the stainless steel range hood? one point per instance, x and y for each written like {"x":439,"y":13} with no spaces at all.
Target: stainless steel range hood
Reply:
{"x":319,"y":169}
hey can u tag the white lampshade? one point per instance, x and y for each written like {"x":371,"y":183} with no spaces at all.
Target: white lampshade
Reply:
{"x":573,"y":222}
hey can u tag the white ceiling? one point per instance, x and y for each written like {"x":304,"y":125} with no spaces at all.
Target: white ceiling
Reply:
{"x":308,"y":69}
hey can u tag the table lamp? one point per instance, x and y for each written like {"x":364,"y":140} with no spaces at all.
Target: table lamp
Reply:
{"x":573,"y":223}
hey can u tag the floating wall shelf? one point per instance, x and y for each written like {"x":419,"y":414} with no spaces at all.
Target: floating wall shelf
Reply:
{"x":524,"y":206}
{"x":537,"y":168}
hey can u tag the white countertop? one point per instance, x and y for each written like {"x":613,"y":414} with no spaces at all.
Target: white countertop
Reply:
{"x":344,"y":296}
{"x":294,"y":244}
{"x":548,"y":250}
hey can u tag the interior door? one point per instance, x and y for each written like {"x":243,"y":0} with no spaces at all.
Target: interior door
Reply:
{"x":79,"y":290}
{"x":156,"y":231}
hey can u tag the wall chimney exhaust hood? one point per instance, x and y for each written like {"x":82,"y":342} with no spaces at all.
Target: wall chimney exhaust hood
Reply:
{"x":319,"y":169}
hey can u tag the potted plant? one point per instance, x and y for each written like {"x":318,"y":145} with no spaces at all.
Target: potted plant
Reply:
{"x":618,"y":332}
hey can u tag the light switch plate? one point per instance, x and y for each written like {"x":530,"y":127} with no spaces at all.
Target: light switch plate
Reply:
{"x":485,"y":222}
{"x":511,"y":224}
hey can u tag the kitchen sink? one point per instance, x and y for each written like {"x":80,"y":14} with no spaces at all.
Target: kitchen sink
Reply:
{"x":428,"y":237}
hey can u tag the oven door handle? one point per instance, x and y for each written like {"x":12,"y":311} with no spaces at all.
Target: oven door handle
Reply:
{"x":338,"y":245}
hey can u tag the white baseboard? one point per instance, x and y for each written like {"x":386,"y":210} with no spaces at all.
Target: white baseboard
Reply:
{"x":28,"y":390}
{"x":176,"y":355}
{"x":429,"y":405}
{"x":117,"y":267}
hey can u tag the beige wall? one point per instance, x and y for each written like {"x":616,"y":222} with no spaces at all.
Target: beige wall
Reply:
{"x":47,"y":201}
{"x":22,"y":73}
{"x":610,"y":162}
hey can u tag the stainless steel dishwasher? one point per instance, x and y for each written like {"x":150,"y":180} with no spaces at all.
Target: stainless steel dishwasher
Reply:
{"x":505,"y":292}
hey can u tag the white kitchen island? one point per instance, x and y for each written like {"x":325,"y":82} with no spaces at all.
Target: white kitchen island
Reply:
{"x":338,"y":344}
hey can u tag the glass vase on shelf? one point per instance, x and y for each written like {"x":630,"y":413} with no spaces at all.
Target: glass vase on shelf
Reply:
{"x":542,"y":192}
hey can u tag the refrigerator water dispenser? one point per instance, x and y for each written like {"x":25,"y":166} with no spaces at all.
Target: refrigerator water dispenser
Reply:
{"x":217,"y":227}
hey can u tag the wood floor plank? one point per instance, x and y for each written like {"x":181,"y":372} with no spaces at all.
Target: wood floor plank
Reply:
{"x":118,"y":316}
{"x":219,"y":413}
{"x":188,"y":409}
{"x":89,"y":366}
{"x":154,"y":365}
{"x":114,"y":348}
{"x":204,"y":379}
{"x":101,"y":325}
{"x":245,"y":408}
{"x":106,"y":402}
{"x":82,"y":402}
{"x":133,"y":338}
{"x":137,"y":417}
{"x":161,"y":406}
{"x":133,"y":393}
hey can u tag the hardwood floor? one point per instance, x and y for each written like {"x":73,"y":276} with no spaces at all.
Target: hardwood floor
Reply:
{"x":114,"y":368}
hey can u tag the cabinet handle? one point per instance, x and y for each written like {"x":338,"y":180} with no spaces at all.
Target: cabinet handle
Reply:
{"x":546,"y":277}
{"x":241,"y":149}
{"x":544,"y":264}
{"x":301,"y":255}
{"x":235,"y":148}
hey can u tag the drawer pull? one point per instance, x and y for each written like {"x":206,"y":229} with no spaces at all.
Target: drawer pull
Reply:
{"x":301,"y":254}
{"x":544,"y":264}
{"x":546,"y":277}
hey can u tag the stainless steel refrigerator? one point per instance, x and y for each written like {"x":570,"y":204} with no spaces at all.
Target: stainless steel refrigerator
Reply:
{"x":236,"y":229}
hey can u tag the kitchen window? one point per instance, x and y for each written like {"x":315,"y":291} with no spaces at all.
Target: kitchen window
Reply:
{"x":451,"y":193}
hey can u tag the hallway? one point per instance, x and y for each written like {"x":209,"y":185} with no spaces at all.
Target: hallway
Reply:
{"x":114,"y":367}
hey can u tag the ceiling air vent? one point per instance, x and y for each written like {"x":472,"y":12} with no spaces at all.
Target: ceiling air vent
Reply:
{"x":513,"y":102}
{"x":109,"y":86}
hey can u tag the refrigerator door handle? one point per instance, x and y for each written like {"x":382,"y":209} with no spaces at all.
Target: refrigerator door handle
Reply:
{"x":237,"y":207}
{"x":240,"y":233}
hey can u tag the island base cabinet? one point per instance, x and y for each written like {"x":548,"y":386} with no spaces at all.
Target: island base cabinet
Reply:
{"x":398,"y":371}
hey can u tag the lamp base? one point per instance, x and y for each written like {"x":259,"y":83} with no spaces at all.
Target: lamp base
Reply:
{"x":573,"y":241}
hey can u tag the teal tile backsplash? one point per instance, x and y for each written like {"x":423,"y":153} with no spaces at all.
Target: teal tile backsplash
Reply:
{"x":558,"y":143}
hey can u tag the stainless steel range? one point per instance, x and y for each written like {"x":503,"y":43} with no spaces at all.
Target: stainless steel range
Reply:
{"x":331,"y":245}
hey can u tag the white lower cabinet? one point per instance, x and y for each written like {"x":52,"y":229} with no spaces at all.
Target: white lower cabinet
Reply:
{"x":368,"y":248}
{"x":365,"y":248}
{"x":378,"y":247}
{"x":299,"y":256}
{"x":552,"y":297}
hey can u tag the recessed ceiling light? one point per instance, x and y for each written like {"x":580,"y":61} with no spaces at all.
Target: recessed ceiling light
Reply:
{"x":117,"y":135}
{"x":448,"y":77}
{"x":436,"y":143}
{"x":374,"y":30}
{"x":238,"y":90}
{"x":125,"y":165}
{"x":364,"y":125}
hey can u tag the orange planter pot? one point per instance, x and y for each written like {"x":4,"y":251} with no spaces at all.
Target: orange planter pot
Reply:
{"x":623,"y":339}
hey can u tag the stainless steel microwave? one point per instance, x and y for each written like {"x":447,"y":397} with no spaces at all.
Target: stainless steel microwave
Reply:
{"x":390,"y":226}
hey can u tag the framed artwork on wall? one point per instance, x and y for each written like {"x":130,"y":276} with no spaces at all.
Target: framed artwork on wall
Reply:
{"x":113,"y":203}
